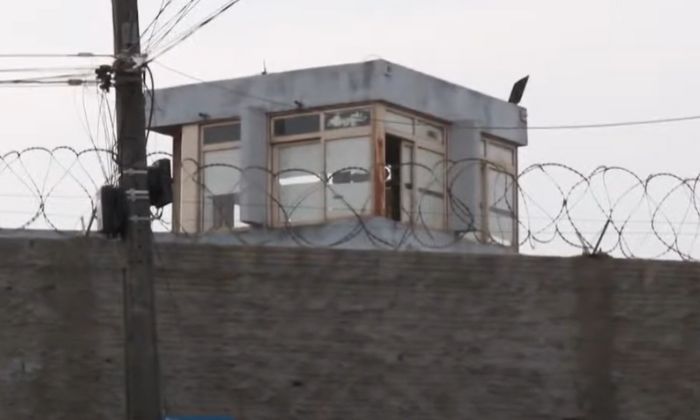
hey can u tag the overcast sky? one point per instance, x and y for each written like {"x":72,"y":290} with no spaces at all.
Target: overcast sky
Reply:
{"x":590,"y":62}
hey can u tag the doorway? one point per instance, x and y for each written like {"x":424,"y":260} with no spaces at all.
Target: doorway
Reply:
{"x":398,"y":162}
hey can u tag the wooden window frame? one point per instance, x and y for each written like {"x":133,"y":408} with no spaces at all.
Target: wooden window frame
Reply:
{"x":418,"y":142}
{"x":507,"y":168}
{"x":216,"y":147}
{"x":276,"y":211}
{"x":322,"y":137}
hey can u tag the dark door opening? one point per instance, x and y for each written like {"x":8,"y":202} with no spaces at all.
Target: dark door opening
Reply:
{"x":393,"y":177}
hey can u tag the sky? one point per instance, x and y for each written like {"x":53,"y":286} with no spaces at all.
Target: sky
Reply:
{"x":590,"y":62}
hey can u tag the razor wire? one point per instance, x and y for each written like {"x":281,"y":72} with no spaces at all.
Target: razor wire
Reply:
{"x":546,"y":208}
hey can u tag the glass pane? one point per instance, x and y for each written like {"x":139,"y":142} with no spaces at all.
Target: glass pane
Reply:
{"x":430,"y":198}
{"x":398,"y":123}
{"x":501,"y":228}
{"x":297,"y":125}
{"x":223,"y":210}
{"x":222,"y":177}
{"x":348,"y":164}
{"x":347,"y":119}
{"x":300,"y":174}
{"x":501,"y":191}
{"x":500,"y":154}
{"x":429,"y":132}
{"x":221,"y":133}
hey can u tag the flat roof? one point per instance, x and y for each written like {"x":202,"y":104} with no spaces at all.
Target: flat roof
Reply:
{"x":377,"y":80}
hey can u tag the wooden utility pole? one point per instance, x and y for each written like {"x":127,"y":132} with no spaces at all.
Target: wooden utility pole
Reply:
{"x":143,"y":399}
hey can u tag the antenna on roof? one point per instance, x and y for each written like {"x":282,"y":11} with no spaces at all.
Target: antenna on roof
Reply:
{"x":264,"y":72}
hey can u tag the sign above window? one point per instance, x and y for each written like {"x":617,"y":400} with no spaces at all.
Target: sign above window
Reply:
{"x":347,"y":119}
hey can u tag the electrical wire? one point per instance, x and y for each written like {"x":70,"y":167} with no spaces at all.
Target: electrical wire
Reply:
{"x":85,"y":122}
{"x":52,"y":78}
{"x":157,"y":36}
{"x":44,"y":69}
{"x":164,"y":4}
{"x":152,"y":101}
{"x":78,"y":55}
{"x":584,"y":126}
{"x":188,"y":33}
{"x":220,"y":85}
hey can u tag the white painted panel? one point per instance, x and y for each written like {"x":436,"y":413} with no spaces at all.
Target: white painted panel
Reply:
{"x":429,"y":132}
{"x":397,"y":123}
{"x":501,"y":155}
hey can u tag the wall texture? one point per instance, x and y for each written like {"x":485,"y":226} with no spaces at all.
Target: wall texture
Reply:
{"x":271,"y":333}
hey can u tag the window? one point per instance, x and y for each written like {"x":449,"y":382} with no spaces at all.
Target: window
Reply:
{"x":221,"y":133}
{"x":224,"y":212}
{"x":323,"y":165}
{"x":221,"y":176}
{"x":500,"y":193}
{"x":297,"y":125}
{"x":307,"y":195}
{"x":300,"y":182}
{"x":348,"y":169}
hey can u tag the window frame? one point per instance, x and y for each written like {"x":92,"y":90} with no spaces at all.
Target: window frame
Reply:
{"x":276,"y":210}
{"x":418,"y":142}
{"x":507,"y":168}
{"x":368,"y":209}
{"x":432,"y":145}
{"x":215,"y":147}
{"x":321,"y":137}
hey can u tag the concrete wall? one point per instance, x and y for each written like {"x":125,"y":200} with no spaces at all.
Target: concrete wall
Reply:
{"x":465,"y":178}
{"x":368,"y":233}
{"x":188,"y":187}
{"x":264,"y":333}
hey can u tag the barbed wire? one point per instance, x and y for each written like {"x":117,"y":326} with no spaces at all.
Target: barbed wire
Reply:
{"x":547,"y":208}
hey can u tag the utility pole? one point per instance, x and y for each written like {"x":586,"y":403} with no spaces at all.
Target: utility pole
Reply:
{"x":143,"y":400}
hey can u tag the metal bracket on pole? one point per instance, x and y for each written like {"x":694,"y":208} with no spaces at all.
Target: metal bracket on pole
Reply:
{"x":134,"y":195}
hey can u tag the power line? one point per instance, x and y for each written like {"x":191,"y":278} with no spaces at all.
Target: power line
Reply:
{"x":221,"y":86}
{"x":43,"y":69}
{"x":167,"y":28}
{"x":73,"y":79}
{"x":45,"y":83}
{"x":164,"y":4}
{"x":612,"y":124}
{"x":77,"y":55}
{"x":188,"y":33}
